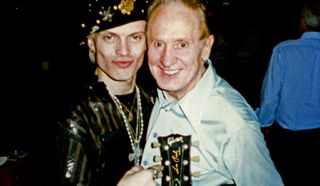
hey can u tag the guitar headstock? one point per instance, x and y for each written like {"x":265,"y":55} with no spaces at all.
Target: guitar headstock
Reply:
{"x":175,"y":158}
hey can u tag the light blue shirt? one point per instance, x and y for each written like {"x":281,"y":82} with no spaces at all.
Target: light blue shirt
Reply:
{"x":232,"y":148}
{"x":291,"y":87}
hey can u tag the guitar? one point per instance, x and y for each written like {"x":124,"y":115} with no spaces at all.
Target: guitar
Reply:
{"x":175,"y":159}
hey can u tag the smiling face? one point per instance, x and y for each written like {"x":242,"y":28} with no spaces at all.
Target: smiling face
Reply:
{"x":120,"y":51}
{"x":176,"y":51}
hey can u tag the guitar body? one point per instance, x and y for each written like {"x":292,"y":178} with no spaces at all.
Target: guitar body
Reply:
{"x":175,"y":158}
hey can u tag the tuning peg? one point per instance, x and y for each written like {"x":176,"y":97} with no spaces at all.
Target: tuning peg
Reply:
{"x":196,"y":143}
{"x":157,"y":158}
{"x":167,"y":163}
{"x":165,"y":147}
{"x":185,"y":162}
{"x":196,"y":174}
{"x":185,"y":178}
{"x":155,"y":145}
{"x":185,"y":146}
{"x":168,"y":178}
{"x":195,"y":158}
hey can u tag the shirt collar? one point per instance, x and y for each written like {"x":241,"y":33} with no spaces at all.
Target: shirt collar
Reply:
{"x":193,"y":103}
{"x":311,"y":35}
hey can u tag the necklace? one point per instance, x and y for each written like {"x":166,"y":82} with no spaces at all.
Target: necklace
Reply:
{"x":134,"y":135}
{"x":130,"y":113}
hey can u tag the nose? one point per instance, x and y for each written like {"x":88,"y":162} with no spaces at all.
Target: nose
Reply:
{"x":123,"y":48}
{"x":168,"y":56}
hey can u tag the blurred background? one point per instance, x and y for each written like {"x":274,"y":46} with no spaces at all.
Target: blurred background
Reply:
{"x":42,"y":63}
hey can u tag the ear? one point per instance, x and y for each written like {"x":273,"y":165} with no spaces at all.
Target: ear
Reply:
{"x":91,"y":44}
{"x":207,"y":47}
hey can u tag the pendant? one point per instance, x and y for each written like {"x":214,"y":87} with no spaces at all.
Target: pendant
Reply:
{"x":136,"y":154}
{"x":130,"y":117}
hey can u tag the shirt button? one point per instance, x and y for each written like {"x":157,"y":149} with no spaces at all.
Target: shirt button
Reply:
{"x":145,"y":163}
{"x":155,"y":135}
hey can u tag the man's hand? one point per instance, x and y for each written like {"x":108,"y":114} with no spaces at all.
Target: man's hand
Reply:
{"x":137,"y":176}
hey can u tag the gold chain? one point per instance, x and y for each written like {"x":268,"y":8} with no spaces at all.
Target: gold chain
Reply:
{"x":130,"y":113}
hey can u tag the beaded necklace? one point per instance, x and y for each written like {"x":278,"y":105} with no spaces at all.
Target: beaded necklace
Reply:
{"x":134,"y":136}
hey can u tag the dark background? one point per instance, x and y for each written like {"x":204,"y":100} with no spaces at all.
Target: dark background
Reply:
{"x":42,"y":64}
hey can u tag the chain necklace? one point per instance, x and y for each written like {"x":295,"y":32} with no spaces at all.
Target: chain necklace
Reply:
{"x":134,"y":136}
{"x":130,"y":113}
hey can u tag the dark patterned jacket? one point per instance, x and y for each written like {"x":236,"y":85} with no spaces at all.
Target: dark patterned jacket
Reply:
{"x":92,"y":141}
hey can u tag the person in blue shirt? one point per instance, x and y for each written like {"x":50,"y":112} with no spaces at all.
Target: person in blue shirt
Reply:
{"x":193,"y":100}
{"x":289,"y":108}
